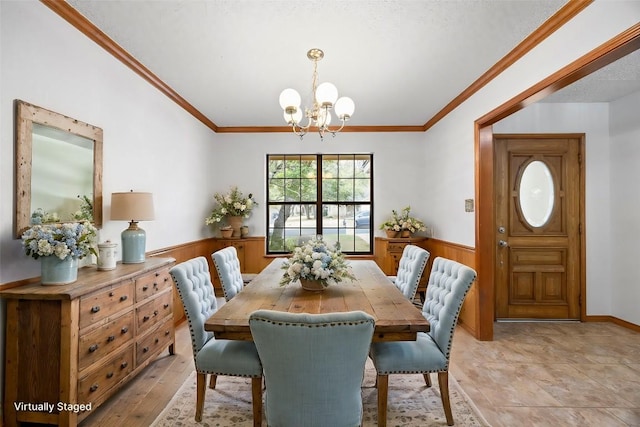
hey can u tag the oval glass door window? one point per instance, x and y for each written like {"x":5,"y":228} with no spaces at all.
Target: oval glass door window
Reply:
{"x":536,"y":193}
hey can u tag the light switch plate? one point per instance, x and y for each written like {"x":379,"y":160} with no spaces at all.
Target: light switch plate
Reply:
{"x":468,"y":205}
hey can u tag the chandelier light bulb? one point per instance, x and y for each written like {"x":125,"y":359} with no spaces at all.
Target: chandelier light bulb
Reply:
{"x":326,"y":94}
{"x":344,"y":108}
{"x":290,"y":98}
{"x":293,"y":118}
{"x":324,"y":118}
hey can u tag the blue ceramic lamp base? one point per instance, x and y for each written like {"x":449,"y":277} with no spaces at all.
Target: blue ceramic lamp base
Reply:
{"x":134,"y":240}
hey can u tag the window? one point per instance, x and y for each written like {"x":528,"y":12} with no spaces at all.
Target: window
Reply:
{"x":328,"y":194}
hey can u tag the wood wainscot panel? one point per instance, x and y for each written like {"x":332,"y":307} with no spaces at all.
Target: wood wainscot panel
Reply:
{"x":251,"y":251}
{"x":464,"y":255}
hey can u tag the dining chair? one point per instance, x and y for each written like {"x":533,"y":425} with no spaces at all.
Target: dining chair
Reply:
{"x":410,"y":269}
{"x":228,"y":267}
{"x":214,"y":356}
{"x":448,"y":285}
{"x":313,"y":366}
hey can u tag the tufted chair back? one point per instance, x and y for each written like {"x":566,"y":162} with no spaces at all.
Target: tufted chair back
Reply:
{"x":228,"y":267}
{"x":410,"y":269}
{"x":448,"y":285}
{"x":313,"y":366}
{"x":193,"y":280}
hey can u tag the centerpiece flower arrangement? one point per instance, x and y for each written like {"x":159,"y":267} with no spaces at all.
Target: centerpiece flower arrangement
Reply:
{"x":403,"y":222}
{"x":73,"y":240}
{"x":317,"y":262}
{"x":233,"y":203}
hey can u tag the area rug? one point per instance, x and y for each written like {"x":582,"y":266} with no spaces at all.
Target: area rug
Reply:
{"x":411,"y":403}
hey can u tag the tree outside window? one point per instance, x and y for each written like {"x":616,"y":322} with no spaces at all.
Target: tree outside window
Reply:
{"x":328,"y":194}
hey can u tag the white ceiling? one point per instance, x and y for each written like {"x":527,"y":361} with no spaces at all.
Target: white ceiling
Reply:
{"x":401,"y":61}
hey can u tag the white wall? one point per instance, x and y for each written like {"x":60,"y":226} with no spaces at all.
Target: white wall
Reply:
{"x":398,"y":167}
{"x":150,"y":144}
{"x":593,"y":121}
{"x":625,"y":205}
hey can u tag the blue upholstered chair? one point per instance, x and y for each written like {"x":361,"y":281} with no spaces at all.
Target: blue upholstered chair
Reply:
{"x":448,"y":285}
{"x":212,"y":356}
{"x":313,"y":366}
{"x":228,"y":268}
{"x":412,"y":263}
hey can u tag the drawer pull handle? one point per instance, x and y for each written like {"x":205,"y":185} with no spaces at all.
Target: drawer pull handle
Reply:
{"x":95,"y":309}
{"x":146,"y":349}
{"x":145,"y":318}
{"x":157,"y":274}
{"x":166,"y":333}
{"x":93,"y":388}
{"x":124,"y":365}
{"x":145,"y":287}
{"x":155,"y":312}
{"x":166,"y":305}
{"x":93,"y":348}
{"x":111,"y":338}
{"x":111,"y":294}
{"x":123,"y":298}
{"x":155,"y":285}
{"x":157,"y":340}
{"x":109,"y":374}
{"x":124,"y":330}
{"x":166,"y":279}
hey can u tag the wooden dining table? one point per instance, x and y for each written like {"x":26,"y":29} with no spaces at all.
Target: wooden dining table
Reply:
{"x":397,"y":319}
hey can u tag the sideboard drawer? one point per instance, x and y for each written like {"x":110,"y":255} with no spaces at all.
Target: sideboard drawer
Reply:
{"x":154,"y":311}
{"x":396,"y":247}
{"x":99,"y":305}
{"x":156,"y":340}
{"x":105,"y":339}
{"x":95,"y":384}
{"x":152,"y":283}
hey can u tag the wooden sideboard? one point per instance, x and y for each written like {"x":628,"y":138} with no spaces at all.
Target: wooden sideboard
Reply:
{"x":251,"y":253}
{"x":387,"y":254}
{"x":70,"y":347}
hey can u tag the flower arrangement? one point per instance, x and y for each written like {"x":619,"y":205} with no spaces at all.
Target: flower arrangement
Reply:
{"x":403,"y":221}
{"x":40,"y":216}
{"x":316,"y":261}
{"x":85,"y":213}
{"x":234,"y":203}
{"x":75,"y":240}
{"x":392,"y":224}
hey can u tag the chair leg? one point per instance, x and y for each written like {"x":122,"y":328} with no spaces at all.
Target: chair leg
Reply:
{"x":443,"y":382}
{"x":256,"y":395}
{"x":201,"y":386}
{"x":212,"y":381}
{"x":427,"y":379}
{"x":383,"y":389}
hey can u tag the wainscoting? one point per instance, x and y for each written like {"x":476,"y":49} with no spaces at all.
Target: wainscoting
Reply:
{"x":469,"y":315}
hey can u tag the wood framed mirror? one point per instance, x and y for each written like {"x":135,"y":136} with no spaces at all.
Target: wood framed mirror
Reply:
{"x":58,"y":168}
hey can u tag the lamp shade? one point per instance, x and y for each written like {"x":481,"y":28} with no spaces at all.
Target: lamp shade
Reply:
{"x":132,"y":206}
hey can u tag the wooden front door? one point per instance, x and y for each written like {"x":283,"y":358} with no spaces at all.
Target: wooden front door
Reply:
{"x":538,"y":187}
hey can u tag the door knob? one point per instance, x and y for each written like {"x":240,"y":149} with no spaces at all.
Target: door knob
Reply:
{"x":502,"y":243}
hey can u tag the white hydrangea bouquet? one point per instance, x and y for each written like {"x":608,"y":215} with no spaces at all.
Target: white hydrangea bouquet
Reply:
{"x":75,"y":240}
{"x":316,"y":261}
{"x":233,"y":203}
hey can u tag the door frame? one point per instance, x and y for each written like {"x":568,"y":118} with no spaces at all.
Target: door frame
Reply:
{"x":619,"y":46}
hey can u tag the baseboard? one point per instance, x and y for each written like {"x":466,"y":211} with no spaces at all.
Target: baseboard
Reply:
{"x":613,"y":319}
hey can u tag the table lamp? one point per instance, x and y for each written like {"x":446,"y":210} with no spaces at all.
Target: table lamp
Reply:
{"x":133,"y":207}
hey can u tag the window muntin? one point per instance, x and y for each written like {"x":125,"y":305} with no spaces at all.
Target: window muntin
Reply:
{"x":295,"y":213}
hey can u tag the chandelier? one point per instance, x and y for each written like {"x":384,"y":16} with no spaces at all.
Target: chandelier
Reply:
{"x":325,"y":98}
